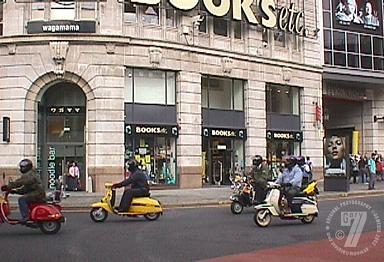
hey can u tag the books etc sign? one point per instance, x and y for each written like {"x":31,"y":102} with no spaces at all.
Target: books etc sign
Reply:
{"x":287,"y":18}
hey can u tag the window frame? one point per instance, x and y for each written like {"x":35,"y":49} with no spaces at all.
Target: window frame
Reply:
{"x":132,"y":88}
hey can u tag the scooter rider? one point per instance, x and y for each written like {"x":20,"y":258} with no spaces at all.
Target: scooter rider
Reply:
{"x":139,"y":186}
{"x":29,"y":186}
{"x":305,"y":169}
{"x":259,"y":177}
{"x":291,"y":178}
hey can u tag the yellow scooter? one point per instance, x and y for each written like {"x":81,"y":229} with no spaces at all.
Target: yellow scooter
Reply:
{"x":141,"y":206}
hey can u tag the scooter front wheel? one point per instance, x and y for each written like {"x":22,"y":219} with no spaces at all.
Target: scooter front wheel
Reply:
{"x":50,"y":227}
{"x":98,"y":214}
{"x":236,"y":208}
{"x":263,"y":218}
{"x":152,"y":216}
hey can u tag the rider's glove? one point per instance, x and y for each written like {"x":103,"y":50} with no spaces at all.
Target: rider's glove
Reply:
{"x":117,"y":185}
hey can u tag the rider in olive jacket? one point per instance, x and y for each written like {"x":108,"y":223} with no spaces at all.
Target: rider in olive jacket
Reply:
{"x":29,"y":186}
{"x":260,"y":177}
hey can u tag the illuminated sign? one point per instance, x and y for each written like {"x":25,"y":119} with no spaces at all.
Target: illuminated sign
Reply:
{"x":223,"y":132}
{"x":285,"y":135}
{"x":65,"y":110}
{"x":286,"y":18}
{"x":151,"y":130}
{"x":61,"y":26}
{"x":51,"y":168}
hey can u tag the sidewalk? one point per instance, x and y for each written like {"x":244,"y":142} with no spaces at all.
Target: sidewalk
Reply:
{"x":200,"y":197}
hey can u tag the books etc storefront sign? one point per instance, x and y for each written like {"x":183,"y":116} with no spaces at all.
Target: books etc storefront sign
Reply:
{"x":286,"y":18}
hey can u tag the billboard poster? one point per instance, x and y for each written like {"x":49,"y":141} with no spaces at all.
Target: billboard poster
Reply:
{"x":336,"y":155}
{"x":363,"y":16}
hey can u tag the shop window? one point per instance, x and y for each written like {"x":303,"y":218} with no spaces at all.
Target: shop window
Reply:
{"x":339,"y":59}
{"x":353,"y":60}
{"x":220,"y":26}
{"x":62,"y":11}
{"x":129,"y":12}
{"x":339,"y":41}
{"x":283,"y":99}
{"x":147,"y":86}
{"x":365,"y":45}
{"x":38,"y":11}
{"x":1,"y":19}
{"x":88,"y":10}
{"x":156,"y":156}
{"x":327,"y":19}
{"x":279,"y":37}
{"x":378,"y":46}
{"x":352,"y":43}
{"x":366,"y":62}
{"x":151,"y":15}
{"x":237,"y":29}
{"x":328,"y":58}
{"x":170,"y":15}
{"x":222,"y":93}
{"x":203,"y":26}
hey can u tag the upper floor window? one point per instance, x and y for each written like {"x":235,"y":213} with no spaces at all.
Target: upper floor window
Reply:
{"x":147,"y":86}
{"x":38,"y":11}
{"x":62,"y":11}
{"x":170,"y":15}
{"x":88,"y":10}
{"x":151,"y":14}
{"x":222,"y":93}
{"x":283,"y":99}
{"x":1,"y":19}
{"x":220,"y":26}
{"x":129,"y":12}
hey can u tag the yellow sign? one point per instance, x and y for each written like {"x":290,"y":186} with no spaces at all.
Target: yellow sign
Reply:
{"x":355,"y":142}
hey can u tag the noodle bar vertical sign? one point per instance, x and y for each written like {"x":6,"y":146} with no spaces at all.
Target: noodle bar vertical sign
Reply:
{"x":51,"y":168}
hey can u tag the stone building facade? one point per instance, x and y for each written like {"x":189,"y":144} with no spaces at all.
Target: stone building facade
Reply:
{"x":41,"y":62}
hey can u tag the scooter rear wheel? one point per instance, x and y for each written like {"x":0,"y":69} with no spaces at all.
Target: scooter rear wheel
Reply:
{"x":98,"y":214}
{"x":262,"y":218}
{"x":152,"y":216}
{"x":236,"y":208}
{"x":50,"y":227}
{"x":308,"y":219}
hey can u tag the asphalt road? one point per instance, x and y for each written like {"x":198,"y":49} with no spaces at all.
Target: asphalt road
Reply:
{"x":181,"y":235}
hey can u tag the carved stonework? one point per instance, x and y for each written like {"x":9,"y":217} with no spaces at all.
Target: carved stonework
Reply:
{"x":59,"y":52}
{"x":155,"y":56}
{"x":11,"y":49}
{"x":110,"y":48}
{"x":227,"y":64}
{"x":287,"y":74}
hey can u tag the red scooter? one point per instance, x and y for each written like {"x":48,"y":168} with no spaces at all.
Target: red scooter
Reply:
{"x":46,"y":215}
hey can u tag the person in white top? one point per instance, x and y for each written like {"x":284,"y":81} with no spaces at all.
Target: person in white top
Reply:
{"x":73,"y":177}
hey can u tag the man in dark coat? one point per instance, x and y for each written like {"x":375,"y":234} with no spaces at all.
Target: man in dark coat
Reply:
{"x":259,"y":177}
{"x":29,"y":186}
{"x":139,"y":186}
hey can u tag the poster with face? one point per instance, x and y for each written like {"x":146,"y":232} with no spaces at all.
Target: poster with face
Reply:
{"x":335,"y":155}
{"x":358,"y":15}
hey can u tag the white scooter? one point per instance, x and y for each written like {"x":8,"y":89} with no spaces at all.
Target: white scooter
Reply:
{"x":304,"y":205}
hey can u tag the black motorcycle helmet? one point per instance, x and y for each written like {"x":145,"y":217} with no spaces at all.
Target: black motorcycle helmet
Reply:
{"x":291,"y":162}
{"x":257,"y":160}
{"x":132,"y":165}
{"x":25,"y":165}
{"x":300,"y":160}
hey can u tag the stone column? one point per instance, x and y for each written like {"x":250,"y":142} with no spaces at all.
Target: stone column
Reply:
{"x":189,"y":119}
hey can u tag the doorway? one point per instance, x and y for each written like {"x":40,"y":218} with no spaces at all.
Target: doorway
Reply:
{"x":61,"y":125}
{"x":223,"y":158}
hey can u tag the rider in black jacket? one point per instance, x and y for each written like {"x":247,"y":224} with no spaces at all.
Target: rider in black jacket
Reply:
{"x":139,"y":186}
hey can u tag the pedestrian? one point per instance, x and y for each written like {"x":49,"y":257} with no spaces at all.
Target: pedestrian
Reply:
{"x":372,"y":172}
{"x":73,"y":177}
{"x":308,"y":167}
{"x":363,"y":168}
{"x":355,"y":167}
{"x":379,"y":167}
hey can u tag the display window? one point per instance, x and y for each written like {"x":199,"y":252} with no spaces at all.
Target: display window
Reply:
{"x":156,"y":156}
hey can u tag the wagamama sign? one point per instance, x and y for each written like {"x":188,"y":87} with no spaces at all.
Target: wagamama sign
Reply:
{"x":286,"y":19}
